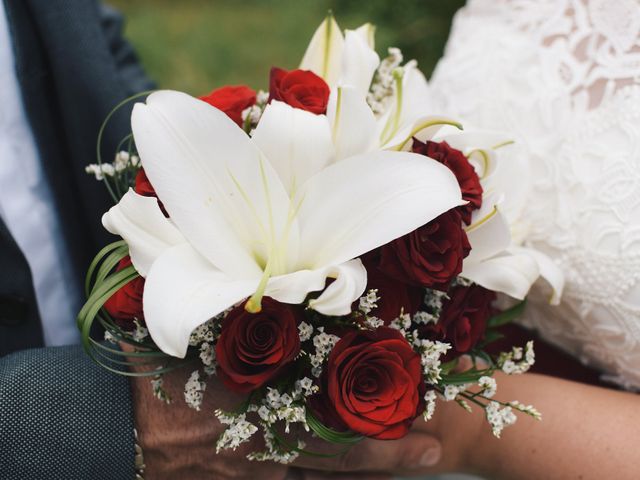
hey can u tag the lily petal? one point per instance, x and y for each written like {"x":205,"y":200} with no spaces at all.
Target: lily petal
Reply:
{"x":217,"y":186}
{"x":549,"y":270}
{"x":352,"y":122}
{"x":507,"y":273}
{"x":324,"y":53}
{"x":367,"y":31}
{"x":350,"y":282}
{"x":181,"y":292}
{"x":349,"y":285}
{"x":489,"y":232}
{"x":140,"y":222}
{"x":390,"y":194}
{"x":297,"y":143}
{"x":359,"y":63}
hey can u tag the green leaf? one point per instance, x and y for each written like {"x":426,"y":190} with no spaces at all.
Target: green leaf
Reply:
{"x":508,"y":315}
{"x":96,"y":260}
{"x":329,"y":434}
{"x":470,"y":376}
{"x":491,"y":336}
{"x":445,"y":368}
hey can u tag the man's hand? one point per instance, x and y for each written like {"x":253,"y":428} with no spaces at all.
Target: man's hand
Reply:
{"x":179,"y":442}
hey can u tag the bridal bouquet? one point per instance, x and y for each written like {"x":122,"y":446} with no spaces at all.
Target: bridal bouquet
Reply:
{"x":328,"y":248}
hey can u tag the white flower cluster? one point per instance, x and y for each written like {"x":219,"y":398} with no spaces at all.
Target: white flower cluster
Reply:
{"x":251,"y":115}
{"x":488,"y":386}
{"x":528,"y":409}
{"x":305,"y":331}
{"x":499,"y":418}
{"x":369,"y":301}
{"x":274,"y":452}
{"x":158,"y":389}
{"x":430,"y":404}
{"x":203,"y":333}
{"x":140,"y":332}
{"x":425,"y":318}
{"x":239,"y":430}
{"x":122,"y":161}
{"x":433,"y":300}
{"x":431,"y":358}
{"x":383,"y":82}
{"x":323,"y":343}
{"x":208,"y":358}
{"x":517,"y":361}
{"x":194,"y":390}
{"x":451,"y":391}
{"x":402,"y":324}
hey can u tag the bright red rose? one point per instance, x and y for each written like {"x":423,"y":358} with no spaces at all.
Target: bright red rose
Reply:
{"x":143,"y":187}
{"x":232,"y":100}
{"x":126,"y":304}
{"x":466,"y":175}
{"x":394,"y":297}
{"x":464,"y":316}
{"x":300,"y":89}
{"x":373,"y":384}
{"x":430,"y":256}
{"x":254,"y":348}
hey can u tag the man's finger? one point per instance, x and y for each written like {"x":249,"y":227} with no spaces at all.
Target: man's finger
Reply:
{"x":414,"y":453}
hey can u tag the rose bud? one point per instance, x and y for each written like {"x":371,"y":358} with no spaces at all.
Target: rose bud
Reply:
{"x":125,"y":305}
{"x":430,"y":256}
{"x":299,"y":88}
{"x":232,"y":100}
{"x":254,"y":348}
{"x":458,"y":163}
{"x":372,"y":384}
{"x":394,"y":298}
{"x":463,"y":319}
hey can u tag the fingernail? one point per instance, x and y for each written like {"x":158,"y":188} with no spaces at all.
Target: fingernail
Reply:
{"x":430,"y":457}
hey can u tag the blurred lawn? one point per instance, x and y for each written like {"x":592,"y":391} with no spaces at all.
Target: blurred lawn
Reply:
{"x":198,"y":45}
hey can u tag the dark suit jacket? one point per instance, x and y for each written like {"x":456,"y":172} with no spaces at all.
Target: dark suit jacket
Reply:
{"x":61,"y":417}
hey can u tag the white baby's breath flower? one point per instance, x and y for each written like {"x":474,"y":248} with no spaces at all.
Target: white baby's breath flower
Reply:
{"x":488,"y":386}
{"x":430,"y":404}
{"x":369,"y":301}
{"x":499,"y":418}
{"x":238,"y":432}
{"x":517,"y":361}
{"x":305,"y":331}
{"x":194,"y":390}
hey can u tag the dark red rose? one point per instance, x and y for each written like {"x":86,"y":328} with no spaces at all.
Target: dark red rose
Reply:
{"x":430,"y":256}
{"x":232,"y":100}
{"x":373,"y":384}
{"x":125,"y":305}
{"x":394,"y":297}
{"x":300,"y":89}
{"x":458,"y":163}
{"x":464,"y":316}
{"x":254,"y":348}
{"x":143,"y":187}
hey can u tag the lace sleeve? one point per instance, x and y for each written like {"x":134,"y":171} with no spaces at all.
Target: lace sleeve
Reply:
{"x":563,"y":77}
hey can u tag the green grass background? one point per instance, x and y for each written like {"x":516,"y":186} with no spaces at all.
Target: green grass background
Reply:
{"x":198,"y":45}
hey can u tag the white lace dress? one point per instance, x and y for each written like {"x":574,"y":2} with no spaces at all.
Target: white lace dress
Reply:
{"x":563,"y":77}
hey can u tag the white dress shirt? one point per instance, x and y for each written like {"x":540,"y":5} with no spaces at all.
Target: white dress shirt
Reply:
{"x":28,"y":210}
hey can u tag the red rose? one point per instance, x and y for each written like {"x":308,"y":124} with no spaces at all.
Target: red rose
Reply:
{"x":373,"y":384}
{"x":464,"y":316}
{"x":232,"y":100}
{"x":300,"y":89}
{"x":143,"y":187}
{"x":254,"y":348}
{"x":394,"y":297}
{"x":430,"y":256}
{"x":126,"y":304}
{"x":456,"y":161}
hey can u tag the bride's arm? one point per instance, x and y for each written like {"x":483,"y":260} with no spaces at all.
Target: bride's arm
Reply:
{"x":586,"y":432}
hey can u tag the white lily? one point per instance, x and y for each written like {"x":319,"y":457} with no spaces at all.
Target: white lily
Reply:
{"x":270,"y":215}
{"x":348,"y":63}
{"x":498,"y":260}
